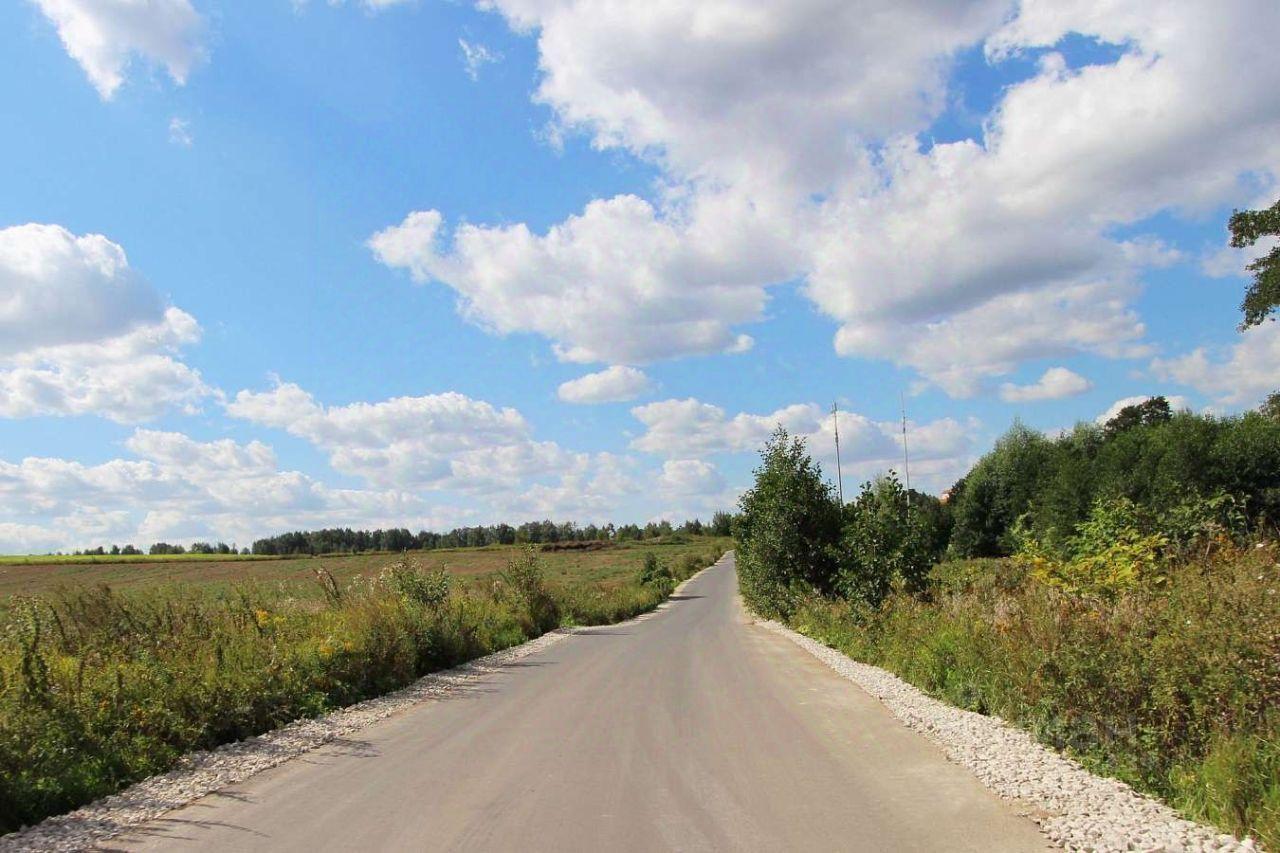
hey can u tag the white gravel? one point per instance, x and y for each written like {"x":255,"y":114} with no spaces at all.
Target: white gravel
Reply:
{"x":1076,"y":809}
{"x":201,"y":773}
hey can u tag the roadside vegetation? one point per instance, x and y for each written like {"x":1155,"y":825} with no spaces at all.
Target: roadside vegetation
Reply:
{"x":1115,"y":591}
{"x":101,"y":687}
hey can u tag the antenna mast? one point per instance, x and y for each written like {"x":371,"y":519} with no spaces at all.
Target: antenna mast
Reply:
{"x":835,"y":424}
{"x":906,"y":459}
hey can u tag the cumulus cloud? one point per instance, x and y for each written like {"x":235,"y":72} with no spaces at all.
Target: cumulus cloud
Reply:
{"x":59,"y":288}
{"x":612,"y":385}
{"x":808,"y":122}
{"x":940,"y":450}
{"x":104,"y":35}
{"x":1240,"y":374}
{"x":690,"y":478}
{"x":1054,"y":384}
{"x":621,"y":282}
{"x":181,"y":489}
{"x":1067,"y":155}
{"x":436,"y":441}
{"x":690,"y":428}
{"x":82,"y":333}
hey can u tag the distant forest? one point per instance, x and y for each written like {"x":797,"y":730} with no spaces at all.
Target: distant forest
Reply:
{"x":345,"y":540}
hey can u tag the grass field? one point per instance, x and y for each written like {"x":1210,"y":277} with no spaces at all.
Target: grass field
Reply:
{"x":42,"y":575}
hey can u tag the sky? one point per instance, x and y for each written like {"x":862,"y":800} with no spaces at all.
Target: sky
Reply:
{"x":281,"y":265}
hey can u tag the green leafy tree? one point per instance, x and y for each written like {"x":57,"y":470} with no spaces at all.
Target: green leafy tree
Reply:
{"x":788,"y":526}
{"x":1262,"y":297}
{"x":888,"y":537}
{"x":1270,"y":407}
{"x":1153,"y":410}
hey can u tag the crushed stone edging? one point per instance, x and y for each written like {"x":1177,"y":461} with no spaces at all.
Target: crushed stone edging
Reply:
{"x":1076,"y":809}
{"x":204,"y":772}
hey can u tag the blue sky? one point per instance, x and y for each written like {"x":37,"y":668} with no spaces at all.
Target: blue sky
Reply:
{"x":308,"y":264}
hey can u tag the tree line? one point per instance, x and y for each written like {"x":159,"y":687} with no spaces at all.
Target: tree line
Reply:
{"x":346,"y":540}
{"x":1170,"y":473}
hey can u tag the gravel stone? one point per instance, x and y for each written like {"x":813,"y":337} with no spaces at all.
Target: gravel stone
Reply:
{"x":1076,"y":809}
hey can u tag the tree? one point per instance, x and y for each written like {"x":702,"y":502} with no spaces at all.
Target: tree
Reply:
{"x":721,"y":524}
{"x":788,"y":528}
{"x":1270,"y":407}
{"x":889,"y":536}
{"x":1263,"y":295}
{"x":1153,"y":410}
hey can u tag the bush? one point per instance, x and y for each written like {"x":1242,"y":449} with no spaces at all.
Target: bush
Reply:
{"x":428,"y":589}
{"x":523,"y":577}
{"x":653,"y":572}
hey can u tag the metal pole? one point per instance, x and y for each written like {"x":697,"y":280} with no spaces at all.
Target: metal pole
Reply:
{"x":906,"y":458}
{"x":835,"y":424}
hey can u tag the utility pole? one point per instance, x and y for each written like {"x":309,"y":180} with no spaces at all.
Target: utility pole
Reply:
{"x":906,"y":458}
{"x":835,"y":424}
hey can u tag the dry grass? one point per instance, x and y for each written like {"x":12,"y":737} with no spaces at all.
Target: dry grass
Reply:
{"x":45,"y":575}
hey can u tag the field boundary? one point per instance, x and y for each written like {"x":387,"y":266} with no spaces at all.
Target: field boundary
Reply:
{"x":206,"y":771}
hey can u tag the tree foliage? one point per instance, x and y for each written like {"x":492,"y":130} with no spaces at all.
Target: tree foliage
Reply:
{"x":1156,"y":462}
{"x":788,"y":524}
{"x":1263,"y":295}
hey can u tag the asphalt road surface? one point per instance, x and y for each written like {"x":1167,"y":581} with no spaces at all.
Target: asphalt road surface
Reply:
{"x":691,"y":729}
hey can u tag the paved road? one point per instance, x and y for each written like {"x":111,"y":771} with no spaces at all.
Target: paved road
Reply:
{"x":688,"y":730}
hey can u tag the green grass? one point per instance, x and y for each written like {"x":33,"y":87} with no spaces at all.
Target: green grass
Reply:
{"x":1174,"y":689}
{"x":103,"y":685}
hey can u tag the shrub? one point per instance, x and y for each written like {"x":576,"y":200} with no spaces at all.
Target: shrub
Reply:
{"x":1111,"y":552}
{"x":428,"y":589}
{"x":524,"y":578}
{"x":652,"y":572}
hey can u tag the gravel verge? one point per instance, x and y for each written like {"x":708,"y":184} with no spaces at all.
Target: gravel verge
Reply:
{"x":200,"y":773}
{"x":1076,"y":809}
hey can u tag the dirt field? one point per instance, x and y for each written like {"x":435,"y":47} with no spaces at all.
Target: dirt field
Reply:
{"x":39,"y":576}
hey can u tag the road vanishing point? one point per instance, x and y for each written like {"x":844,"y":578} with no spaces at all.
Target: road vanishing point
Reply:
{"x":691,"y":729}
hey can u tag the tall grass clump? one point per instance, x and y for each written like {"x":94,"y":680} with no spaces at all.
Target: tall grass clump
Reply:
{"x":101,"y":688}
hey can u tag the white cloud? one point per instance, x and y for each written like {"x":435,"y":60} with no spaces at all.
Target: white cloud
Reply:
{"x":691,"y":428}
{"x":1066,"y":155}
{"x":475,"y":56}
{"x":612,"y":385}
{"x":180,"y":489}
{"x":744,"y":93}
{"x":436,"y":441}
{"x":180,"y":132}
{"x":103,"y":35}
{"x":1176,"y":403}
{"x":1241,"y":374}
{"x":806,"y":120}
{"x":690,"y":478}
{"x":82,"y":333}
{"x":620,"y":283}
{"x":1054,"y":384}
{"x":940,"y":450}
{"x":58,"y":288}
